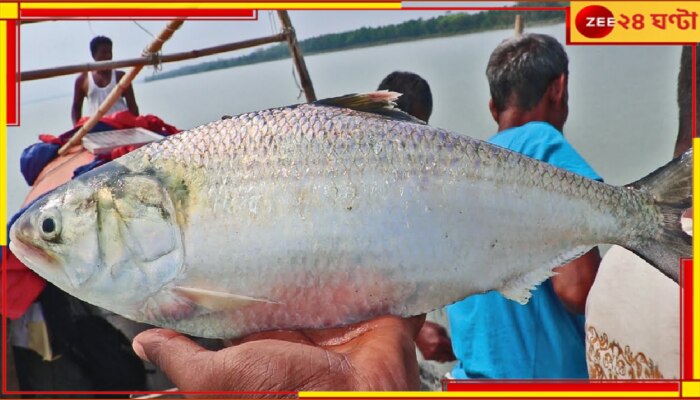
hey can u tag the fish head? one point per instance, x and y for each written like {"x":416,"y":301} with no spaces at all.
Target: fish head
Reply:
{"x":109,"y":237}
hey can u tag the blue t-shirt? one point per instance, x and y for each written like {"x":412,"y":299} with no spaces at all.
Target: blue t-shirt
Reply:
{"x":494,"y":337}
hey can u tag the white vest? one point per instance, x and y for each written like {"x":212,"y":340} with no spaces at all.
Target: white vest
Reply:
{"x":96,"y":95}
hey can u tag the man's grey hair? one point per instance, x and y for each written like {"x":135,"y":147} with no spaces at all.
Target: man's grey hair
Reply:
{"x":523,"y":67}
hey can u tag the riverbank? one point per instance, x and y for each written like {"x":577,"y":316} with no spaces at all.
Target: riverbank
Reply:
{"x":451,"y":24}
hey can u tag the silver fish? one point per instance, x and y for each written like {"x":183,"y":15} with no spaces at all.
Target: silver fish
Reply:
{"x":325,"y":214}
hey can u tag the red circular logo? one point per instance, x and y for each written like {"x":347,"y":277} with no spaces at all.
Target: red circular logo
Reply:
{"x":595,"y":22}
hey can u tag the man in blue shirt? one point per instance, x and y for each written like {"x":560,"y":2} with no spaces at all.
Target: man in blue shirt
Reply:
{"x":494,"y":337}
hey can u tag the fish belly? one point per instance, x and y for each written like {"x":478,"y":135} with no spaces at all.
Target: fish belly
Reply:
{"x":323,"y":253}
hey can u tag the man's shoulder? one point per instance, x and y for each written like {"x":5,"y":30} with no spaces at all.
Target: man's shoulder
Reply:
{"x":81,"y":82}
{"x":531,"y":139}
{"x":544,"y":142}
{"x":81,"y":77}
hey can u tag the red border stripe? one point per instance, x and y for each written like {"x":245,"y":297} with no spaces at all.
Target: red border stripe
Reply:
{"x":12,"y":84}
{"x":137,"y":13}
{"x":673,"y":386}
{"x":570,"y":386}
{"x":687,"y":319}
{"x":230,"y":394}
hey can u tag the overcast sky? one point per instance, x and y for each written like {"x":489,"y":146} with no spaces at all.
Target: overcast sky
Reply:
{"x":59,"y":43}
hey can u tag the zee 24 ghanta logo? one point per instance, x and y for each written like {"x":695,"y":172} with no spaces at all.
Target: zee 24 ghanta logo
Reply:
{"x":595,"y":21}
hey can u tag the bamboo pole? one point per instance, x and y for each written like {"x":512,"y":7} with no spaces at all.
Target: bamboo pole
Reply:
{"x":123,"y":83}
{"x":297,"y":56}
{"x":519,"y":26}
{"x":141,"y":61}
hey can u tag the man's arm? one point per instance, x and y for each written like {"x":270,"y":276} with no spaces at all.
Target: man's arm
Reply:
{"x":78,"y":96}
{"x":574,"y":280}
{"x":129,"y":96}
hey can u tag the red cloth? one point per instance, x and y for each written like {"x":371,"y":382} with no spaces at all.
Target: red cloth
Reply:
{"x":24,"y":286}
{"x":118,"y":120}
{"x":20,"y":277}
{"x":125,"y":119}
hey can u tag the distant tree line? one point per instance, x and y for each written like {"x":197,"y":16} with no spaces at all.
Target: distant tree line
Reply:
{"x":445,"y":25}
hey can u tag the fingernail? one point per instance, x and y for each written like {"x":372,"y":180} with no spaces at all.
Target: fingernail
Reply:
{"x":138,"y":349}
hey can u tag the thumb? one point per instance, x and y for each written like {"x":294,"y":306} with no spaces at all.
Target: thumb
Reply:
{"x":170,"y":351}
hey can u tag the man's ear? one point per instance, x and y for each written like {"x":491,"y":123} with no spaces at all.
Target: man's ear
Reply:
{"x":557,"y":89}
{"x":494,"y":111}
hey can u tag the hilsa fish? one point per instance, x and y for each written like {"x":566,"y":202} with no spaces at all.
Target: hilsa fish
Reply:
{"x":324,"y":214}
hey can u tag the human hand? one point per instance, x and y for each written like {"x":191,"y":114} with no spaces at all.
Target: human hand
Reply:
{"x":374,"y":355}
{"x":434,"y":344}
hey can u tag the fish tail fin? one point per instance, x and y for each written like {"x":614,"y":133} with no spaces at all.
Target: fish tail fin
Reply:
{"x":671,"y":187}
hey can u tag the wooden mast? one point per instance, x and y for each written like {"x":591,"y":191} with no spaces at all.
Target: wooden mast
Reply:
{"x":297,"y":56}
{"x":519,"y":26}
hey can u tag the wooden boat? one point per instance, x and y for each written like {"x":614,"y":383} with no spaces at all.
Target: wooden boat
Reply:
{"x":59,"y":171}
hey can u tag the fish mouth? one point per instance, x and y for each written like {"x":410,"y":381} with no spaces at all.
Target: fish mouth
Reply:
{"x":31,"y":256}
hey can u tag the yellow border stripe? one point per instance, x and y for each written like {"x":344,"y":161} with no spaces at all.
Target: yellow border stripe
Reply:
{"x":3,"y":131}
{"x":696,"y":274}
{"x":242,"y":5}
{"x":690,"y":389}
{"x":9,"y":10}
{"x":481,"y":394}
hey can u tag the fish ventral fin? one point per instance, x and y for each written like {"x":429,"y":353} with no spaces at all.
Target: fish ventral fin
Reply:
{"x":671,"y":188}
{"x":520,"y":288}
{"x":217,"y":301}
{"x":381,"y":102}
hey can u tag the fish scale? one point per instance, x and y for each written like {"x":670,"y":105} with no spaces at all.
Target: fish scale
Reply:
{"x":320,"y":215}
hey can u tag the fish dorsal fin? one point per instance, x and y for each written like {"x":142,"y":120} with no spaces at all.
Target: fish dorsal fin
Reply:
{"x":217,"y":301}
{"x":381,"y":102}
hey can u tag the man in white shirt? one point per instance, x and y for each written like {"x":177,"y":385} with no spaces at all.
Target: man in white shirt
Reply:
{"x":96,"y":85}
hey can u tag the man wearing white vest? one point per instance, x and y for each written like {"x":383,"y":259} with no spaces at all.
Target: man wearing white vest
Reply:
{"x":96,"y":85}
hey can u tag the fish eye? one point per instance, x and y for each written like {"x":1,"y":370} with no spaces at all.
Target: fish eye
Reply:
{"x":50,"y":225}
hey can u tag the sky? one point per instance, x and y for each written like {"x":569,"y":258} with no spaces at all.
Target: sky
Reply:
{"x":60,"y":43}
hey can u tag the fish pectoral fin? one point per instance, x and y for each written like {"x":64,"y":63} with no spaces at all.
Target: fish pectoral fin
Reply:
{"x":520,"y":288}
{"x":217,"y":301}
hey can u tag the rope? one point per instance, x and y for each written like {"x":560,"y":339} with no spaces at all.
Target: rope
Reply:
{"x":155,"y":60}
{"x":296,"y":82}
{"x":273,"y":22}
{"x":90,"y":27}
{"x":143,"y":28}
